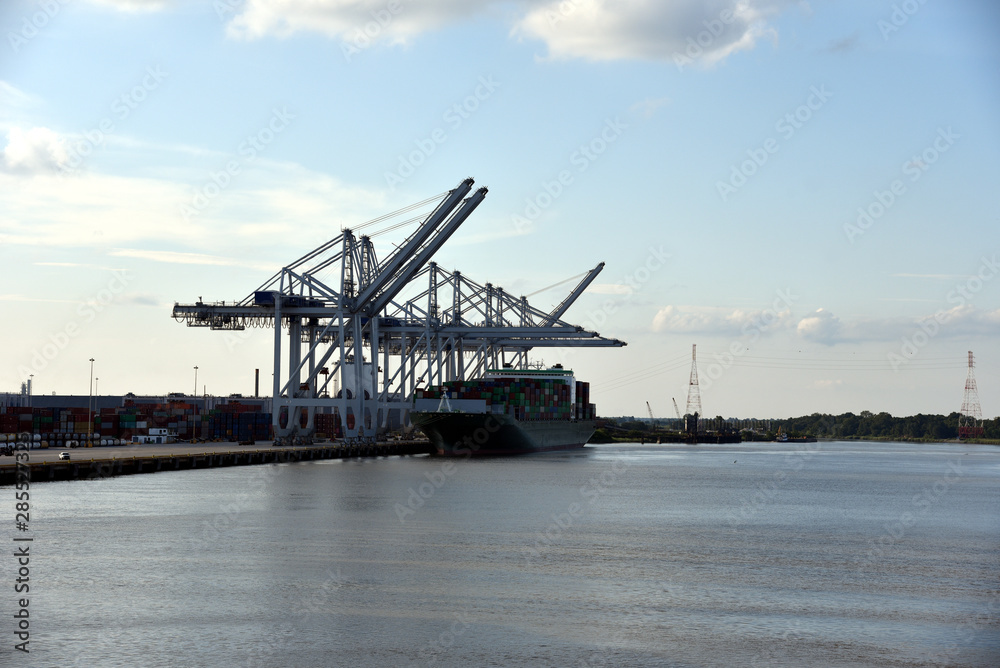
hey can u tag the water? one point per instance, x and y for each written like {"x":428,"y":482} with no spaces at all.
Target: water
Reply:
{"x":828,"y":554}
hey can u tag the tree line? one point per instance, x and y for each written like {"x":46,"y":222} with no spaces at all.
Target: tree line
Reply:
{"x":868,"y":425}
{"x":847,"y":426}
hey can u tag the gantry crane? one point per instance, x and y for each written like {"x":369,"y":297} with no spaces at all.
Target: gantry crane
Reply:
{"x":343,"y":309}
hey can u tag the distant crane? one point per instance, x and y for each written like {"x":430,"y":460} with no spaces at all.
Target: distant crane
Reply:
{"x":677,"y":412}
{"x":651,"y":418}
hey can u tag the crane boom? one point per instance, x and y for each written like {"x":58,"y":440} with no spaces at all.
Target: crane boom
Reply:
{"x":407,"y":273}
{"x":650,"y":411}
{"x":676,"y":410}
{"x":558,"y":311}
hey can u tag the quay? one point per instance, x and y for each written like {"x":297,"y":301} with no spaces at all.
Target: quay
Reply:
{"x":103,"y":462}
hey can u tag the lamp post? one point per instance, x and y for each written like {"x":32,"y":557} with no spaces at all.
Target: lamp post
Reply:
{"x":195,"y":394}
{"x":90,"y":403}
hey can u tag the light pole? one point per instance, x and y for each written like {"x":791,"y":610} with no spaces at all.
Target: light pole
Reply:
{"x":195,"y":394}
{"x":90,"y":403}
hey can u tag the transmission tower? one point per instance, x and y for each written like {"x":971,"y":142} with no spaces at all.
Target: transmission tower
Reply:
{"x":694,"y":394}
{"x":970,"y":419}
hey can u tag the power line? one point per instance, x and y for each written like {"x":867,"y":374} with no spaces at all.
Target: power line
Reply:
{"x":782,"y":364}
{"x":656,"y":368}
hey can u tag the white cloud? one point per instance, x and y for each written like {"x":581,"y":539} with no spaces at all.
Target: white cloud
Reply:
{"x":821,"y":327}
{"x":681,"y":31}
{"x":140,"y":300}
{"x":270,"y":208}
{"x":34,"y":151}
{"x":961,"y":321}
{"x":967,"y":320}
{"x":828,"y":329}
{"x":25,"y":298}
{"x":77,"y":264}
{"x":704,"y":31}
{"x":135,"y":5}
{"x":15,"y":99}
{"x":718,"y":321}
{"x":699,"y":30}
{"x":92,"y":209}
{"x":359,"y":22}
{"x":173,"y":257}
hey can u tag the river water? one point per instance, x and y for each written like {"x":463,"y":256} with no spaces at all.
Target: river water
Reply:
{"x":824,"y":554}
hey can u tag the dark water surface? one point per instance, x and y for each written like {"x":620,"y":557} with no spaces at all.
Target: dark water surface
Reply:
{"x":827,"y":554}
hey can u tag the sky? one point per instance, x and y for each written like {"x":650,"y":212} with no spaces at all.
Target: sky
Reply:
{"x":805,"y":190}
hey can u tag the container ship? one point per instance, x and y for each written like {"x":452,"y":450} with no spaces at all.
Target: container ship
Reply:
{"x":506,"y":412}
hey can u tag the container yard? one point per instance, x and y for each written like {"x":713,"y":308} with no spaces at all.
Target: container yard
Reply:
{"x":157,"y":421}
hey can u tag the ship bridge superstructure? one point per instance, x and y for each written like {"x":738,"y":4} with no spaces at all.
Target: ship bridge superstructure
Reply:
{"x":363,"y":332}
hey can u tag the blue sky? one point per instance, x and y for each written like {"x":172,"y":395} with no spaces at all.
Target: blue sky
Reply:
{"x":805,"y":190}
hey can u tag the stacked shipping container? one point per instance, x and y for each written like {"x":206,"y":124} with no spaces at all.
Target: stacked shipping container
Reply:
{"x":522,"y":398}
{"x":239,"y":422}
{"x":328,"y":425}
{"x":230,"y":421}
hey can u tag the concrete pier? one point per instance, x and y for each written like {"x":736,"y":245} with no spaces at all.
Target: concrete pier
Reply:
{"x":103,"y":462}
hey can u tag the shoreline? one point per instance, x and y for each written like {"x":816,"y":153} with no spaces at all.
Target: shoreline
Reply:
{"x":98,"y":462}
{"x":827,"y":439}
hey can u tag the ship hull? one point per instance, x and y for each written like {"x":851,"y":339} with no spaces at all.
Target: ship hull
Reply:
{"x":478,"y":434}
